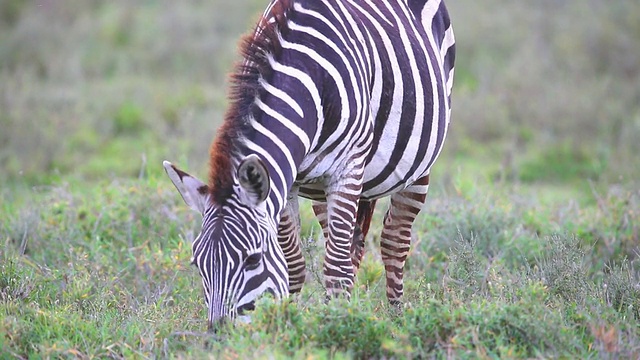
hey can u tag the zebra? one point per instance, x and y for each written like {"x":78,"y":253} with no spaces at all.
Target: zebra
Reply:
{"x":339,"y":101}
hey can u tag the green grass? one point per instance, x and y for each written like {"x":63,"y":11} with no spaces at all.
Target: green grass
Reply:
{"x":528,"y":245}
{"x":96,"y":270}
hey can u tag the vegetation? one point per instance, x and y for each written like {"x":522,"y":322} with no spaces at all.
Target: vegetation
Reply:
{"x":528,"y":246}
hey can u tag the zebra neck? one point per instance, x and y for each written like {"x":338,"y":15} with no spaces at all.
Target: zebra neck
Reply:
{"x":281,"y":137}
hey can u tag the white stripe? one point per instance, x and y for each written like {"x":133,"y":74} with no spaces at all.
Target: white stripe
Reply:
{"x":448,"y":41}
{"x":297,"y":131}
{"x":428,"y":12}
{"x":282,"y":96}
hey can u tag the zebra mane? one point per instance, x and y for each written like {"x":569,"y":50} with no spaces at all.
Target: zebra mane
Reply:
{"x":255,"y":49}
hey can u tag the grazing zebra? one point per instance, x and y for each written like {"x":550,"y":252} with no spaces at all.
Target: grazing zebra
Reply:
{"x":339,"y":101}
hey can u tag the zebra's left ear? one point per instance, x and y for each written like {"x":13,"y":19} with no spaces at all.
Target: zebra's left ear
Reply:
{"x":194,"y":192}
{"x":254,"y":179}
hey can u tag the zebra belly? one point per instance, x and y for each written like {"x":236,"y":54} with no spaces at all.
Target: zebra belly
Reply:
{"x":403,"y":174}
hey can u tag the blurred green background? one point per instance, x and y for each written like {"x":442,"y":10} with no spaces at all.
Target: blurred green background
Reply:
{"x":545,"y":91}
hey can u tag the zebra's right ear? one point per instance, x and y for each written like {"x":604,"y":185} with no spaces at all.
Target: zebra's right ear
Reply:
{"x":254,"y":180}
{"x":194,"y":192}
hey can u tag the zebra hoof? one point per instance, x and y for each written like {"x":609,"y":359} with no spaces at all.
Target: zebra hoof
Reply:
{"x":399,"y":305}
{"x":340,"y":295}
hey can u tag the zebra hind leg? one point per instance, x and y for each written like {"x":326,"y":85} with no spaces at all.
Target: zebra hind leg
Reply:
{"x":395,"y":240}
{"x":320,"y":209}
{"x":363,"y":220}
{"x":289,"y":240}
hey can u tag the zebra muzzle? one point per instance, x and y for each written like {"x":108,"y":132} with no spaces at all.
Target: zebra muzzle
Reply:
{"x":244,"y":309}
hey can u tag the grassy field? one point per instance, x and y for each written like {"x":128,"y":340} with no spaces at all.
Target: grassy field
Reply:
{"x":528,"y":245}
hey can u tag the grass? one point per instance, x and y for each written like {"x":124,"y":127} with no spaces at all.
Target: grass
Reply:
{"x":101,"y":270}
{"x":527,"y":246}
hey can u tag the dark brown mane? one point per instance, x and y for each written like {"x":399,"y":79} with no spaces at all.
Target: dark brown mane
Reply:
{"x":244,"y":87}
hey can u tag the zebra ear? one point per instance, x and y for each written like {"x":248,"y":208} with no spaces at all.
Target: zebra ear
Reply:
{"x":254,"y":179}
{"x":194,"y":192}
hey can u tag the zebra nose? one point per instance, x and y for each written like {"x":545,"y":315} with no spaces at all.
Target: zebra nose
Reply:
{"x":216,"y":324}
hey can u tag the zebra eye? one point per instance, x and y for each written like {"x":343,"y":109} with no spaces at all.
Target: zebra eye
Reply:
{"x":252,"y":261}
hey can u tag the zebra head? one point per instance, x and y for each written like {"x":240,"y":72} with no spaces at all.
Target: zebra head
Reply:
{"x":237,"y":251}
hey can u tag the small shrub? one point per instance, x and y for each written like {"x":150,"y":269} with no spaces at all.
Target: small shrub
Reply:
{"x":339,"y":327}
{"x":612,"y":228}
{"x":565,"y":269}
{"x":13,"y":284}
{"x":466,"y":267}
{"x":429,"y":326}
{"x":351,"y":328}
{"x":283,"y":318}
{"x":622,"y":289}
{"x":519,"y":327}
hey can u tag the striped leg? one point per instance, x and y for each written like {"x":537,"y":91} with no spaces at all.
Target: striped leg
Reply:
{"x":289,"y":240}
{"x":320,"y":209}
{"x":363,"y":220}
{"x":341,"y":209}
{"x":395,"y":240}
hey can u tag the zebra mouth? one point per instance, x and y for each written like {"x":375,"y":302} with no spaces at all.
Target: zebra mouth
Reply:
{"x":244,"y":309}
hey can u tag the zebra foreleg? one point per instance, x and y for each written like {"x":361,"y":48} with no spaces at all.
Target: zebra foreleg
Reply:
{"x":289,"y":240}
{"x":363,"y":220}
{"x":341,"y":208}
{"x":395,"y":240}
